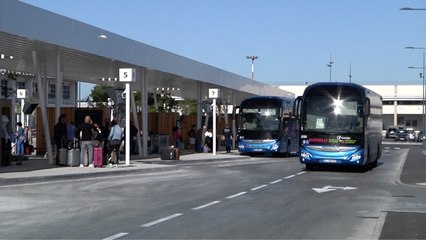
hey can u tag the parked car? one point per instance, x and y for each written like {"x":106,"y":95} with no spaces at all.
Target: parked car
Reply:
{"x":419,"y":135}
{"x":392,"y":131}
{"x":401,"y":135}
{"x":411,"y":136}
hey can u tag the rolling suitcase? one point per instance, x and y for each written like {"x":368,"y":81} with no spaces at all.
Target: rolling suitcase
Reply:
{"x":62,"y":156}
{"x":73,"y":157}
{"x":98,"y":156}
{"x":170,"y":154}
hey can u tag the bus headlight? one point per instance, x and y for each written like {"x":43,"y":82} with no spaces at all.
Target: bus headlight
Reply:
{"x":355,"y":157}
{"x":275,"y":146}
{"x":305,"y":155}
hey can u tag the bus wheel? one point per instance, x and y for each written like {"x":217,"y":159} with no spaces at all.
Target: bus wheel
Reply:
{"x":309,"y":167}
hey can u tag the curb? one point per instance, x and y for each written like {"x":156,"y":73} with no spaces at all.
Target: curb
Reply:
{"x":77,"y":176}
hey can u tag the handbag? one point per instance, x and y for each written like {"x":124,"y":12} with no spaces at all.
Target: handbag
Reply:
{"x":95,"y":142}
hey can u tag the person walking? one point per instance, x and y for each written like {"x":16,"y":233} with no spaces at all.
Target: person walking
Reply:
{"x":114,"y":143}
{"x":86,"y":130}
{"x":20,"y":139}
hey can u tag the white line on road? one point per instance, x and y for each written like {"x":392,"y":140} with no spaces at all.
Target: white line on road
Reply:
{"x":276,"y":181}
{"x":291,"y":176}
{"x":397,"y":148}
{"x":300,"y":173}
{"x":119,"y":235}
{"x":162,"y":220}
{"x":236,"y":195}
{"x":206,"y":205}
{"x":258,"y":187}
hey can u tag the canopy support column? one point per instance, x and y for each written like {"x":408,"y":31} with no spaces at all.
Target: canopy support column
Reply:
{"x":42,"y":102}
{"x":144,"y":103}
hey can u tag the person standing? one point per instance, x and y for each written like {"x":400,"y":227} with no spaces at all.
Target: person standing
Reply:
{"x":199,"y":140}
{"x":20,"y":139}
{"x":228,"y":138}
{"x":60,"y":135}
{"x":86,"y":130}
{"x":71,"y":134}
{"x":191,"y":135}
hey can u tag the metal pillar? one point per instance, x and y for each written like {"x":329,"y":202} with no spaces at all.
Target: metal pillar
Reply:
{"x":42,"y":102}
{"x":58,"y":85}
{"x":144,"y":102}
{"x":234,"y":129}
{"x":199,"y":108}
{"x":136,"y":122}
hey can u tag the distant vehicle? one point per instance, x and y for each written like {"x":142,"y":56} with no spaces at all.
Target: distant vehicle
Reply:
{"x":341,"y":124}
{"x":391,"y":132}
{"x":419,"y":135}
{"x":401,"y":135}
{"x":411,"y":135}
{"x":266,"y":125}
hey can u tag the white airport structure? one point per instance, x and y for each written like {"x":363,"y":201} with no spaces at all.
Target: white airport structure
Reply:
{"x":43,"y":50}
{"x":402,"y":104}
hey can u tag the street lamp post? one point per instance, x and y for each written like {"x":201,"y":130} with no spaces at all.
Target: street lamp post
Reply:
{"x":423,"y":85}
{"x":252,"y":65}
{"x":330,"y":65}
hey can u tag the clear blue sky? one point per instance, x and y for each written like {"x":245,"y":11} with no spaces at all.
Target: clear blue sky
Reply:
{"x":293,"y":38}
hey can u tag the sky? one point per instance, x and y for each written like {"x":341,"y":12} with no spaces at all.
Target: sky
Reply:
{"x":293,"y":39}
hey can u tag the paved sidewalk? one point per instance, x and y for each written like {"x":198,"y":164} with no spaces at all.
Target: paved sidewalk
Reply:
{"x":38,"y":169}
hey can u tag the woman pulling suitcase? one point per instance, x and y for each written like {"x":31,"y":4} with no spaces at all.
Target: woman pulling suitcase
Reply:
{"x":114,"y":137}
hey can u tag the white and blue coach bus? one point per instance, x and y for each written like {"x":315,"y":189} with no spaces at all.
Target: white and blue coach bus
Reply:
{"x":340,"y":124}
{"x":266,"y":125}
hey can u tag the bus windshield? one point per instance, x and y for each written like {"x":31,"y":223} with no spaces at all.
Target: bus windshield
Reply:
{"x":325,"y":114}
{"x":260,"y":119}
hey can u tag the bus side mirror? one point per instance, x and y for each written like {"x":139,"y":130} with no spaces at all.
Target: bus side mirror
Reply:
{"x":367,"y":107}
{"x":296,"y":106}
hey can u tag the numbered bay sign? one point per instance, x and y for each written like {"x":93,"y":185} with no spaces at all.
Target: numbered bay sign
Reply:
{"x":21,"y":93}
{"x":213,"y":93}
{"x":127,"y":74}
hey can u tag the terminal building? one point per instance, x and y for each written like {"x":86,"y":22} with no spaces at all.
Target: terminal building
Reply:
{"x":402,"y":104}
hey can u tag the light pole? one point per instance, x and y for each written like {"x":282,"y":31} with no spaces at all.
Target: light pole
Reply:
{"x":423,"y":84}
{"x":330,"y":65}
{"x":252,"y":65}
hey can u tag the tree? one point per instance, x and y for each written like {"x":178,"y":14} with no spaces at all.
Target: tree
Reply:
{"x":99,"y":95}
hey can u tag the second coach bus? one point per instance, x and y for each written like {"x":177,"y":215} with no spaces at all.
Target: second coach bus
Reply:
{"x":266,"y":125}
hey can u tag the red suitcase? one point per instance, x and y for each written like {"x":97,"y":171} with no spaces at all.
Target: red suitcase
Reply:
{"x":97,"y":156}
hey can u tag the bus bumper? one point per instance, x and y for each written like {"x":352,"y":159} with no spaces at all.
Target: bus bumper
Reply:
{"x":354,"y":156}
{"x":270,"y":147}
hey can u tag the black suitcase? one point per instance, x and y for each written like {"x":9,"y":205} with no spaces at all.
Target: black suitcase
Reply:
{"x":170,"y":154}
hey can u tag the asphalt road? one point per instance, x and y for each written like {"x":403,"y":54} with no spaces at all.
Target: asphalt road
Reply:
{"x":251,"y":199}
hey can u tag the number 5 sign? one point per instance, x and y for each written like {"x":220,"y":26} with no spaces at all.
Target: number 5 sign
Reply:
{"x":127,"y":75}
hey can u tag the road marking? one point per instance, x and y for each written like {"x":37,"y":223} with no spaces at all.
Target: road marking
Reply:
{"x":276,"y":181}
{"x":387,"y":148}
{"x":236,"y":195}
{"x":291,"y":176}
{"x":397,"y":148}
{"x":423,"y":184}
{"x":258,"y":187}
{"x":206,"y":205}
{"x":331,"y":188}
{"x":162,"y":220}
{"x":300,"y":173}
{"x":119,"y":235}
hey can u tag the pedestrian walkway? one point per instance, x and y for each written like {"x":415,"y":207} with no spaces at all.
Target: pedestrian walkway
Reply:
{"x":38,"y":169}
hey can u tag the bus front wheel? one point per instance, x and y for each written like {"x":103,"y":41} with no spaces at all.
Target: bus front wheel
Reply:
{"x":309,"y":167}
